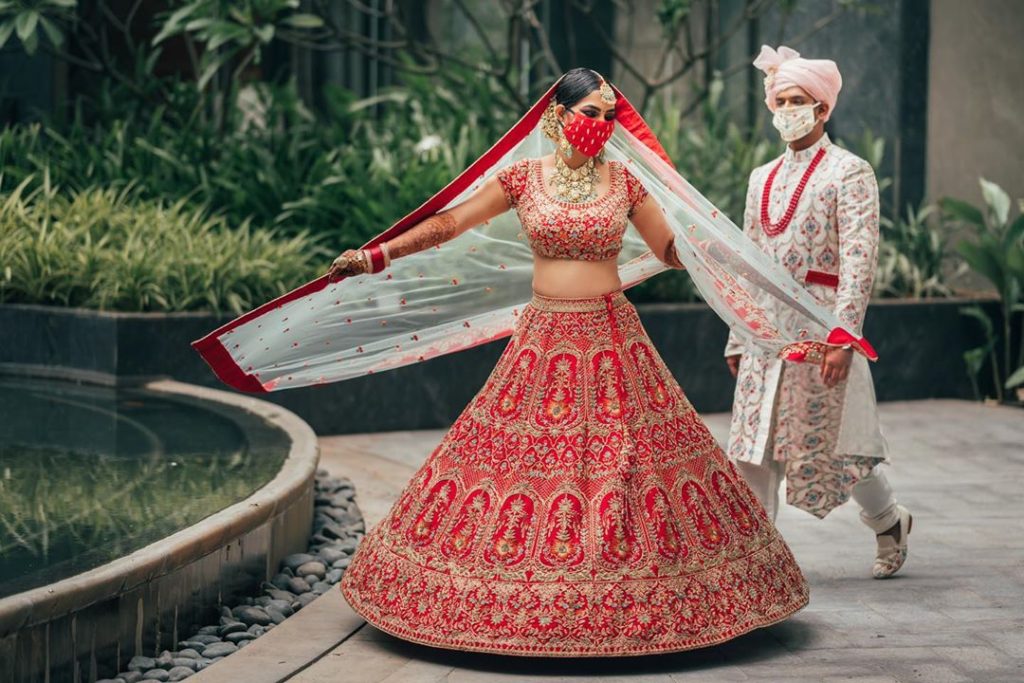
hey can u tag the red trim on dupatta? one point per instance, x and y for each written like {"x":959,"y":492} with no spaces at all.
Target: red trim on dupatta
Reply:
{"x":798,"y":352}
{"x":629,"y":118}
{"x":840,"y":337}
{"x":229,"y":372}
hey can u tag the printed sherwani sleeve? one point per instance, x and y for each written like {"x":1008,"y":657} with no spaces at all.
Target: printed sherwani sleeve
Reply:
{"x":857,"y":224}
{"x":734,"y":346}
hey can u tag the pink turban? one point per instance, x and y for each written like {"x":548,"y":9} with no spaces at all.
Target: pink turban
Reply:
{"x":785,"y":68}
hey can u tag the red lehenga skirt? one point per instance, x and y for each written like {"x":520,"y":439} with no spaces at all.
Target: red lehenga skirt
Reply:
{"x":578,"y":507}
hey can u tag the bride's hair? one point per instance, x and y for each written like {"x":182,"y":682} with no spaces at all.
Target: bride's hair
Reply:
{"x":575,"y":85}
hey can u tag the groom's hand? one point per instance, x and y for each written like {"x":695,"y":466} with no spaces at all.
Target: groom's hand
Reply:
{"x":734,"y":364}
{"x":836,"y":366}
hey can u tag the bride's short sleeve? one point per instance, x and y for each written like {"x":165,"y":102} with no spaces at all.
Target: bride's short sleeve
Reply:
{"x":635,"y":191}
{"x":513,"y":180}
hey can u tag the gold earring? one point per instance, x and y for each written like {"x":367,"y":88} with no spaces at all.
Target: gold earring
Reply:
{"x":549,"y":123}
{"x":566,"y":148}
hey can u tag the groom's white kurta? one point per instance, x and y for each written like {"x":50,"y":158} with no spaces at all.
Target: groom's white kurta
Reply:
{"x":828,"y":438}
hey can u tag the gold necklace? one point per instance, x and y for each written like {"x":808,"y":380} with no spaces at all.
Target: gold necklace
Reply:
{"x":575,"y":185}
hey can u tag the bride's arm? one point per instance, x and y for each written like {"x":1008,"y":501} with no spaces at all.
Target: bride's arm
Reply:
{"x":483,"y":205}
{"x":650,"y":222}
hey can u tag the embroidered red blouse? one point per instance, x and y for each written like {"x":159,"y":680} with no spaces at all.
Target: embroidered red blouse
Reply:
{"x":585,"y":231}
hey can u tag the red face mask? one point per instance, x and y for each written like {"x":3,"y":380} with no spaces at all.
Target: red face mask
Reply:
{"x":588,"y":135}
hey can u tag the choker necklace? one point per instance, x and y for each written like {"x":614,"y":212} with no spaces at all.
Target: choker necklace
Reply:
{"x":575,"y":185}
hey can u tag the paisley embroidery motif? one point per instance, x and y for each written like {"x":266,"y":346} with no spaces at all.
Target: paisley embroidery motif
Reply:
{"x":431,"y":515}
{"x":459,"y":541}
{"x":564,"y":533}
{"x":738,"y":509}
{"x":510,"y":398}
{"x":657,"y":393}
{"x":560,"y":405}
{"x":703,"y":520}
{"x":612,"y":402}
{"x":618,"y":534}
{"x":510,"y":539}
{"x":661,"y":524}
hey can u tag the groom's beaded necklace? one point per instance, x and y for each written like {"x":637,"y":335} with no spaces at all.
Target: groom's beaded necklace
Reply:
{"x":775,"y":229}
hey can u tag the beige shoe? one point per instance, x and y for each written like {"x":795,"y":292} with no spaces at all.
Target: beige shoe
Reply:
{"x":892,"y":553}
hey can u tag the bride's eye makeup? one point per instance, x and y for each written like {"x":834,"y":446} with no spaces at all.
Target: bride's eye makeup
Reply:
{"x":594,"y":112}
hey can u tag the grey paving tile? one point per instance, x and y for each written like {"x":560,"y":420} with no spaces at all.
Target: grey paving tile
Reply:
{"x":415,"y":671}
{"x":1009,"y":639}
{"x":930,"y":673}
{"x":355,"y":662}
{"x":980,"y":659}
{"x":954,"y":614}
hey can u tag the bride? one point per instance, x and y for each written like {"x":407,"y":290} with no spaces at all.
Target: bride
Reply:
{"x":578,"y":506}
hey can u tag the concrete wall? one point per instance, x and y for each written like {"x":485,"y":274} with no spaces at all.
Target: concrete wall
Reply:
{"x":976,"y":97}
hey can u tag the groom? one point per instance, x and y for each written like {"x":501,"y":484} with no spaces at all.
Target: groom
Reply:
{"x":815,"y":210}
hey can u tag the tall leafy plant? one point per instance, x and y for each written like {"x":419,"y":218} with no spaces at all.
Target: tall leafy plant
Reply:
{"x":716,"y":156}
{"x":30,"y":19}
{"x":996,"y":252}
{"x":911,"y":256}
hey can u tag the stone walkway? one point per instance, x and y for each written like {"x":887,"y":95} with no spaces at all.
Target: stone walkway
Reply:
{"x":954,"y":614}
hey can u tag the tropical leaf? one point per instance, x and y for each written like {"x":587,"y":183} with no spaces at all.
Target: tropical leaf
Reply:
{"x":25,"y":24}
{"x":1016,"y":379}
{"x":963,"y":211}
{"x":997,"y":200}
{"x":984,"y":258}
{"x":982,"y":317}
{"x":304,"y":21}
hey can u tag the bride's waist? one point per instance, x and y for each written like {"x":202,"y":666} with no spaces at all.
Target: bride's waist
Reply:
{"x":573,"y":279}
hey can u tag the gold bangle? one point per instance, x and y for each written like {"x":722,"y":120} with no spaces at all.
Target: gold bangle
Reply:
{"x":387,"y":254}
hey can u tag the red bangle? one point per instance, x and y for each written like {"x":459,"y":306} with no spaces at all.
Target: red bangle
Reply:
{"x":376,"y":256}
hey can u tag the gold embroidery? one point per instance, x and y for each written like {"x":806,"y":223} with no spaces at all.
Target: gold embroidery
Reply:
{"x":596,"y":538}
{"x":583,"y":305}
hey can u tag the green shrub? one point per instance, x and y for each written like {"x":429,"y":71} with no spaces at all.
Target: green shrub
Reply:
{"x":346,"y":173}
{"x":107,"y":249}
{"x":343,"y":176}
{"x":715,"y":156}
{"x":995,"y":252}
{"x":911,"y":255}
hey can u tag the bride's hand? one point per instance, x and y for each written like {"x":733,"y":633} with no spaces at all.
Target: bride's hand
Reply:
{"x":350,"y":262}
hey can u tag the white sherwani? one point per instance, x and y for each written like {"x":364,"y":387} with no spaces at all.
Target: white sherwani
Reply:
{"x":828,"y":438}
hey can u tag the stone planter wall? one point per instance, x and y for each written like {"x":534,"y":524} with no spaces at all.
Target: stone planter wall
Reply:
{"x":920,"y":345}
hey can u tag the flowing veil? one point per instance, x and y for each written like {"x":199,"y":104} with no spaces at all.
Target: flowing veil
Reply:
{"x":470,"y":290}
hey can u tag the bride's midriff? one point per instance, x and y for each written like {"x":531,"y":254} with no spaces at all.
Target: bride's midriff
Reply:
{"x":574,"y":279}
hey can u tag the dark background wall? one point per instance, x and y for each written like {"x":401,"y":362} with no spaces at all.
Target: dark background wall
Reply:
{"x":921,"y":347}
{"x":883,"y":55}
